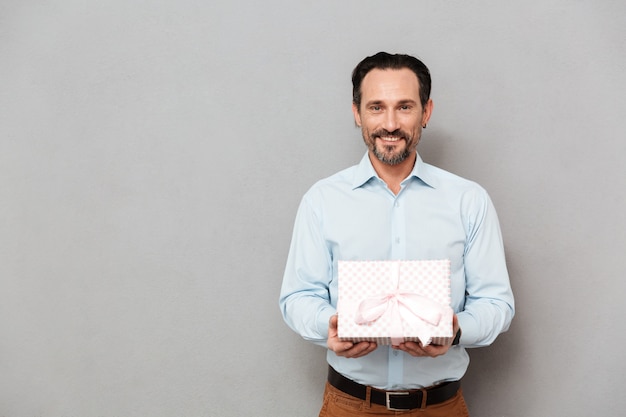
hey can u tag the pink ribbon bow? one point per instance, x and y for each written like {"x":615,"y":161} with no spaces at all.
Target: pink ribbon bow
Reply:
{"x":416,"y":309}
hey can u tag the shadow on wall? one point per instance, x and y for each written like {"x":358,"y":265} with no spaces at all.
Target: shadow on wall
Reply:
{"x":496,"y":368}
{"x":435,"y":148}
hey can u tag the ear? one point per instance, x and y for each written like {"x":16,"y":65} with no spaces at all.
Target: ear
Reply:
{"x":428,"y":111}
{"x":357,"y":115}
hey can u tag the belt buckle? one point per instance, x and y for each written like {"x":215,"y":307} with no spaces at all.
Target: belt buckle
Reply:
{"x":389,"y":396}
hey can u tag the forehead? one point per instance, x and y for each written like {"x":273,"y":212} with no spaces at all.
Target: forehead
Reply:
{"x":390,"y":85}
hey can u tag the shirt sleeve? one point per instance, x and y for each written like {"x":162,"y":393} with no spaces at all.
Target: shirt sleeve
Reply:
{"x":489,"y":304}
{"x":304,"y":297}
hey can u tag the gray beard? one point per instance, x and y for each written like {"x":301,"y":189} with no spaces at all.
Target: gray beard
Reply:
{"x":394,"y":159}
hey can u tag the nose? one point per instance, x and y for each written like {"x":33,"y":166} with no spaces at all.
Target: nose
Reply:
{"x":391,"y":122}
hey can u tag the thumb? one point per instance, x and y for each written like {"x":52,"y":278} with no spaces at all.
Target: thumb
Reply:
{"x":332,"y":323}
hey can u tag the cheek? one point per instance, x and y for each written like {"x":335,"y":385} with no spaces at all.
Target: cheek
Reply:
{"x":412,"y":121}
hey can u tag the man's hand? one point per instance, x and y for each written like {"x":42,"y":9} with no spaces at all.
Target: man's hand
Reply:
{"x":416,"y":349}
{"x":346,"y":349}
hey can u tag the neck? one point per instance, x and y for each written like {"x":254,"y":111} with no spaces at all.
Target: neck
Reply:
{"x":393,"y":175}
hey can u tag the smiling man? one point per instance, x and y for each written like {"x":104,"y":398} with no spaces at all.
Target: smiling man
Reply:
{"x":393,"y":206}
{"x":391,"y":115}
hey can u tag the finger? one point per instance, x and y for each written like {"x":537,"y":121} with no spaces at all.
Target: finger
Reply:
{"x":435,"y":350}
{"x":361,"y":349}
{"x":412,"y":348}
{"x":339,"y":347}
{"x":332,"y":323}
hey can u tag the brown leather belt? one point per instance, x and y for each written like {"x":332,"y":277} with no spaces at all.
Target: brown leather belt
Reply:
{"x":395,"y":400}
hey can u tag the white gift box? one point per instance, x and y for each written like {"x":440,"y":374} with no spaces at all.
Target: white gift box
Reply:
{"x":390,"y":302}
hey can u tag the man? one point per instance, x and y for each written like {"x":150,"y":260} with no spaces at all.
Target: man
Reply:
{"x":393,"y":206}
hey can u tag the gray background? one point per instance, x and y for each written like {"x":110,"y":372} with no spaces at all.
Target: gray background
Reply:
{"x":153,"y":154}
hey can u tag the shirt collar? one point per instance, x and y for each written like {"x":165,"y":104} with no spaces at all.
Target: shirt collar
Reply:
{"x":365,"y":172}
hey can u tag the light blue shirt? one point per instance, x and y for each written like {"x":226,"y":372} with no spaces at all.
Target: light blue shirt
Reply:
{"x":352,"y":215}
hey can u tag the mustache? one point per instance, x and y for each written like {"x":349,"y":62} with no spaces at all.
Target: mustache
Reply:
{"x":398,"y":133}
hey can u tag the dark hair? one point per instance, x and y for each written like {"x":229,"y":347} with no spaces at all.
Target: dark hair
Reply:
{"x":383,"y":60}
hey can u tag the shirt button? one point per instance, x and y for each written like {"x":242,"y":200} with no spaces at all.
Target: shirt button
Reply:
{"x":397,"y":240}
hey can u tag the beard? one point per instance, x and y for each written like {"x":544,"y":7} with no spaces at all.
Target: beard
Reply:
{"x":390,"y":154}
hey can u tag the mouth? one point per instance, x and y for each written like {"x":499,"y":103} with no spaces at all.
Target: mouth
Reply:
{"x":390,"y":138}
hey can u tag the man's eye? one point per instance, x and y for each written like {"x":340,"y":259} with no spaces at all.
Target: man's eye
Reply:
{"x":375,"y":108}
{"x":406,"y":107}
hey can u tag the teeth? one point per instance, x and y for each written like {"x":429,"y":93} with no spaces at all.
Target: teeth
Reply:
{"x":390,"y":138}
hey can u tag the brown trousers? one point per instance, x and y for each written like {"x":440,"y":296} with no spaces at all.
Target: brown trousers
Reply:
{"x":340,"y":404}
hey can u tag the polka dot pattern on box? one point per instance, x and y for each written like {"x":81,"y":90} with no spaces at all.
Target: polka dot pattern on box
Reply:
{"x":360,"y":280}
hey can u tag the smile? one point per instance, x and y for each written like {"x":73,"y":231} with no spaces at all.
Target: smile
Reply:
{"x":390,"y":138}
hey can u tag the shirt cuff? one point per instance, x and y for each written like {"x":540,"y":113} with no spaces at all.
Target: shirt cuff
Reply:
{"x":468,"y":329}
{"x":322,"y":320}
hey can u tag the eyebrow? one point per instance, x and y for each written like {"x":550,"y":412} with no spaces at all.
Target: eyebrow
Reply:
{"x":379,"y":102}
